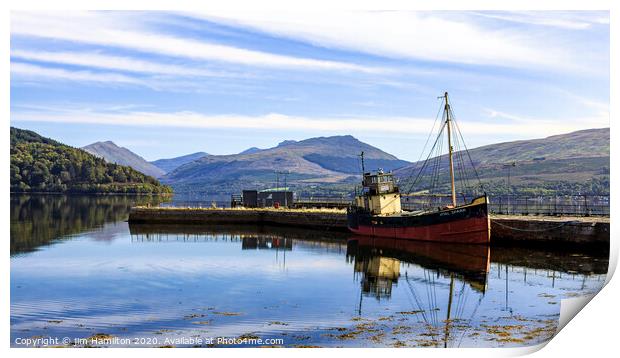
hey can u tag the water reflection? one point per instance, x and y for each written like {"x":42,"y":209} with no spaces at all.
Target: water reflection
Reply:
{"x":37,"y":220}
{"x":451,"y":292}
{"x":309,"y":287}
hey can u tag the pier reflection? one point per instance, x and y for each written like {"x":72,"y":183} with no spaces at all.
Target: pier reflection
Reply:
{"x":172,"y":280}
{"x":266,"y":243}
{"x":470,"y":263}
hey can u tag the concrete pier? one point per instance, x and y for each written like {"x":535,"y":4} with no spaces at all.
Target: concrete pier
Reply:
{"x":553,"y":232}
{"x":592,"y":232}
{"x":329,"y":219}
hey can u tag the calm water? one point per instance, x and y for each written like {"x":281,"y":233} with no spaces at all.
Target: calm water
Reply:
{"x":78,"y":270}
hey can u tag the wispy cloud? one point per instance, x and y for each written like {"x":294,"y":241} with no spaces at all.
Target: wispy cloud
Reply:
{"x":119,"y":63}
{"x":34,"y":72}
{"x":432,"y":36}
{"x":571,"y":20}
{"x":504,"y":124}
{"x":597,"y":120}
{"x":127,"y":32}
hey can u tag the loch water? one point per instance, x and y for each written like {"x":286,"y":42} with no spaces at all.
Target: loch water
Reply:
{"x":80,"y":271}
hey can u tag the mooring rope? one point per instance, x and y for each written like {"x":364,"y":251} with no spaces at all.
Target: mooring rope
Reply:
{"x":535,"y":230}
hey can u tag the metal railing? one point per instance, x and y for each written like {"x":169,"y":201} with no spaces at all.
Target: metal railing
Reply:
{"x":206,"y":203}
{"x":573,"y":205}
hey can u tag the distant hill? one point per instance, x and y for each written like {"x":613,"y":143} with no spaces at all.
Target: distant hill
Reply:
{"x":123,"y":156}
{"x":566,"y":163}
{"x":580,"y":144}
{"x":312,"y":161}
{"x":40,"y":164}
{"x":170,"y":164}
{"x":251,"y":150}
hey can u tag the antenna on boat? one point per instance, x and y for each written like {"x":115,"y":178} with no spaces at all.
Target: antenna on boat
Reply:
{"x":448,"y":120}
{"x":363,"y":167}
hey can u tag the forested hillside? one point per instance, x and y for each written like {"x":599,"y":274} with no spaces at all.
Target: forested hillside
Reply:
{"x":40,"y":164}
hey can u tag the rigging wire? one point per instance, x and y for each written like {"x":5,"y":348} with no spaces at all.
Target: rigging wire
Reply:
{"x":461,"y":168}
{"x":433,"y":201}
{"x":470,"y":319}
{"x":429,"y":299}
{"x":426,"y":161}
{"x":415,"y":296}
{"x":430,"y":134}
{"x":458,"y":129}
{"x":433,"y":163}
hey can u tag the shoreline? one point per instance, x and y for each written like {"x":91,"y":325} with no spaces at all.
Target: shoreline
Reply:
{"x":93,"y":194}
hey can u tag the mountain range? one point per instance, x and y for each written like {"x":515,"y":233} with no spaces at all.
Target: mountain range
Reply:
{"x":576,"y":160}
{"x":170,"y":164}
{"x":123,"y":156}
{"x":573,"y":161}
{"x":319,"y":160}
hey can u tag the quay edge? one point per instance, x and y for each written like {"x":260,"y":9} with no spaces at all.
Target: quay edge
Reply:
{"x":551,"y":232}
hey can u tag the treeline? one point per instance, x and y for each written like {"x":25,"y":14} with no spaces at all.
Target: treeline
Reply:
{"x":40,"y":164}
{"x":595,"y":186}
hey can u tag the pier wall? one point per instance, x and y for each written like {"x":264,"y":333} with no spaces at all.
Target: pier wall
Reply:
{"x":553,"y":232}
{"x":569,"y":232}
{"x":329,"y":220}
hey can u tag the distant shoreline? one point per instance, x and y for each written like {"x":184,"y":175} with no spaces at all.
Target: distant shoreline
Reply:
{"x":94,"y":194}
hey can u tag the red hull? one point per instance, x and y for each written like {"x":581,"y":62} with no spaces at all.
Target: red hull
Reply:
{"x":474,"y":230}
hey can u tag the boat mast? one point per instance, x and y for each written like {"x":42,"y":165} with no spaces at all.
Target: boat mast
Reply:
{"x":447,"y":110}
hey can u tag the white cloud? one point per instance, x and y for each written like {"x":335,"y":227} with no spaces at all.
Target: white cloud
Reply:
{"x":98,"y":60}
{"x":125,"y":31}
{"x":572,"y":20}
{"x":33,"y":72}
{"x":504,"y":125}
{"x":29,"y":73}
{"x":417,"y":35}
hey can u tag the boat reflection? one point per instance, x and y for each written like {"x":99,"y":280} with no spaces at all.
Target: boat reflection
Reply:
{"x":379,"y":260}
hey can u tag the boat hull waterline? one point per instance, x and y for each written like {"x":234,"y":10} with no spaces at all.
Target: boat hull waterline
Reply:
{"x":464,"y":224}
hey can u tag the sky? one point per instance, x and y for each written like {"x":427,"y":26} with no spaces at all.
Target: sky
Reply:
{"x":165,"y":84}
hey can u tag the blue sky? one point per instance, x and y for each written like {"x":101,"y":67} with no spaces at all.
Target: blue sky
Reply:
{"x":167,"y":84}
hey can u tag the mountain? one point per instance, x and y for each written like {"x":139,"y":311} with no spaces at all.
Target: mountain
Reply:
{"x":566,"y":163}
{"x":123,"y":156}
{"x":170,"y":164}
{"x":251,"y":150}
{"x":40,"y":164}
{"x":312,"y":161}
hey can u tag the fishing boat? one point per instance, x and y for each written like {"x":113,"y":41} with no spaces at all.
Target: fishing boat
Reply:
{"x":377,"y":210}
